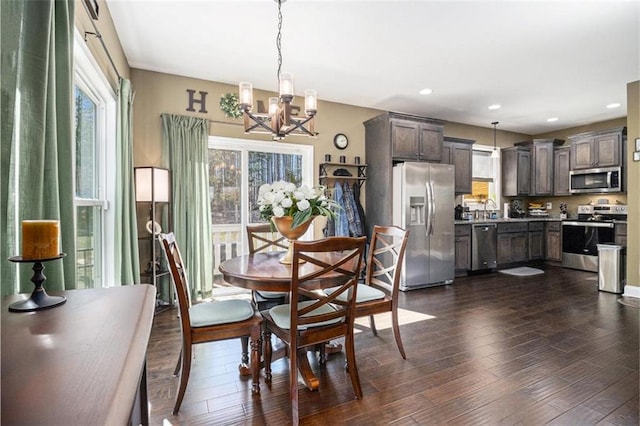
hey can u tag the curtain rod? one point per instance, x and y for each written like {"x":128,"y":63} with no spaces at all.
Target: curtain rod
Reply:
{"x":99,"y":37}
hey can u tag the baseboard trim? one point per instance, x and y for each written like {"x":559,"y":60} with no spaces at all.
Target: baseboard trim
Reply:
{"x":631,"y":291}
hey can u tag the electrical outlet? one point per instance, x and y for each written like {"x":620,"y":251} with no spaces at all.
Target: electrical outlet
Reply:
{"x":549,"y":206}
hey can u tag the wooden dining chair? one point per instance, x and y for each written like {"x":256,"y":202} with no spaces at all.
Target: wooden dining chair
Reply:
{"x":379,"y":291}
{"x":313,"y":317}
{"x":262,"y":238}
{"x":208,"y":321}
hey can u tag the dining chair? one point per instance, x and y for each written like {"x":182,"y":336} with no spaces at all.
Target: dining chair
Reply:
{"x":208,"y":321}
{"x":379,"y":291}
{"x":262,"y":238}
{"x":312,"y":317}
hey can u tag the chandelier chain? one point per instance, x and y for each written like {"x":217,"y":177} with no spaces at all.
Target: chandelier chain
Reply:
{"x":279,"y":40}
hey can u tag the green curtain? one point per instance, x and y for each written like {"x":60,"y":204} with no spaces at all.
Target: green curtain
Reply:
{"x":37,"y":135}
{"x":127,"y":265}
{"x":185,"y":145}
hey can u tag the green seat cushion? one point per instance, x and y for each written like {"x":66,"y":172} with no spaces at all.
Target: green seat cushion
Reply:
{"x":365,"y":293}
{"x":280,"y":315}
{"x":220,"y":312}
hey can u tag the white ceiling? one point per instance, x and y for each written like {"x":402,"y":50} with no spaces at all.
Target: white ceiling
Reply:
{"x":564,"y":59}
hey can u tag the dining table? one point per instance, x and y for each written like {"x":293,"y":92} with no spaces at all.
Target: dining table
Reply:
{"x":263,"y":271}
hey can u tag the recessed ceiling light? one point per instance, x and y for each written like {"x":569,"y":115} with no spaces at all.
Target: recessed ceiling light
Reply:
{"x":552,"y":119}
{"x":494,"y":106}
{"x":426,"y":91}
{"x":613,"y":105}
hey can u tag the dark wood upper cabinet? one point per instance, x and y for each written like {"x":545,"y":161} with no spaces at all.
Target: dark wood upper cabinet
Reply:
{"x":459,"y":152}
{"x":561,"y":167}
{"x":516,"y":171}
{"x":597,"y":149}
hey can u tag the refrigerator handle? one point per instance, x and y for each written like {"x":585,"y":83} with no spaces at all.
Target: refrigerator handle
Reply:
{"x":432,"y":208}
{"x":427,"y":213}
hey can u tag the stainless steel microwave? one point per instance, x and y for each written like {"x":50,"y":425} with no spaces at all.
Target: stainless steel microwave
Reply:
{"x":596,"y":180}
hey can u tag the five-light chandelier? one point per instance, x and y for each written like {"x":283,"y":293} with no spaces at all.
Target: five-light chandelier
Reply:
{"x":279,"y":120}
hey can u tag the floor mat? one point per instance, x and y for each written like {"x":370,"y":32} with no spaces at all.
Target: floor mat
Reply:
{"x":523,"y":271}
{"x":634,"y":302}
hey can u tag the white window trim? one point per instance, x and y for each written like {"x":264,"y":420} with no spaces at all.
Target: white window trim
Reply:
{"x":497,"y":172}
{"x":245,"y":145}
{"x":88,"y":75}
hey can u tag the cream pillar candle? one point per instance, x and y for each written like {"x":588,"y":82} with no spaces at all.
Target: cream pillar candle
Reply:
{"x":40,"y":239}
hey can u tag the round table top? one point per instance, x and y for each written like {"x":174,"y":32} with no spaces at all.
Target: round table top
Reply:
{"x":264,"y":272}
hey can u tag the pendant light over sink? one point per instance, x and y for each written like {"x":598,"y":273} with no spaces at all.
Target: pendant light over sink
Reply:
{"x":494,"y":153}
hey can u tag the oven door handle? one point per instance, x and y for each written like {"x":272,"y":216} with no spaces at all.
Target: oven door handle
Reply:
{"x":589,"y":224}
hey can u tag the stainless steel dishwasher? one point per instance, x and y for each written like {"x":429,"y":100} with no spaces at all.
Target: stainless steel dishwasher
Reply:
{"x":483,"y":246}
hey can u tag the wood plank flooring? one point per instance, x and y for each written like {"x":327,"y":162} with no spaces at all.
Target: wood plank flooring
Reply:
{"x":487,"y":350}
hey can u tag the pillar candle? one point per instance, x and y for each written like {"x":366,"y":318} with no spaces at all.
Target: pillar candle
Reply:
{"x":40,"y":239}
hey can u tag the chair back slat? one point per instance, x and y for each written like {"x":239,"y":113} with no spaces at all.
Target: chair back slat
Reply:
{"x":178,"y":275}
{"x":337,"y":260}
{"x":386,"y":257}
{"x":262,"y":238}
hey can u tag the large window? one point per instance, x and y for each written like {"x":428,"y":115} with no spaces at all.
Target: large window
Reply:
{"x":94,"y":107}
{"x":237,"y":169}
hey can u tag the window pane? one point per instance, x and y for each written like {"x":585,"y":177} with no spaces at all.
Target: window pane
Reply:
{"x":88,"y":246}
{"x":225,"y":174}
{"x":86,"y":176}
{"x":268,"y":167}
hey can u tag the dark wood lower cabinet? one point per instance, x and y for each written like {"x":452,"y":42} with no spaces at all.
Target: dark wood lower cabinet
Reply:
{"x":512,"y":247}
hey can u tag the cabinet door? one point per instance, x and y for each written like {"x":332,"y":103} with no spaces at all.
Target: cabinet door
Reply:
{"x":536,"y":245}
{"x":607,"y":150}
{"x":524,"y":172}
{"x":430,"y":142}
{"x":582,"y":155}
{"x":504,"y":253}
{"x":404,"y":140}
{"x":542,"y":167}
{"x":519,"y":247}
{"x":554,"y":246}
{"x":462,"y":156}
{"x":463,"y":253}
{"x":561,"y":171}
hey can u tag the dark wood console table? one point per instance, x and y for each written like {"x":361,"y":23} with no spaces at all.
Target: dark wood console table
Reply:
{"x":83,"y":362}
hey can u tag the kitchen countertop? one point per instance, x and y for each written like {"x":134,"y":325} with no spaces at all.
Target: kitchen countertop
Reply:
{"x":524,"y":219}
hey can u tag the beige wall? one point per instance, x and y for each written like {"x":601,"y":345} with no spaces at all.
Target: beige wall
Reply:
{"x":105,"y":27}
{"x":633,"y":199}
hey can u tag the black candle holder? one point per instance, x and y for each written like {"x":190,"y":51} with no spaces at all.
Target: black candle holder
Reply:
{"x":39,"y":298}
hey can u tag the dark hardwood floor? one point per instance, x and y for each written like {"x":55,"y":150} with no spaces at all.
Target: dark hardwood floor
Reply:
{"x":486,"y":350}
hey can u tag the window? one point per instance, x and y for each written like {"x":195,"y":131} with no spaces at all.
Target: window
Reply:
{"x":485,"y":181}
{"x":95,"y":126}
{"x":237,"y":169}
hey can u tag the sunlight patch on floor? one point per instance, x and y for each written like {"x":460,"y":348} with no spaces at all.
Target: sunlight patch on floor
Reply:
{"x":383,"y":321}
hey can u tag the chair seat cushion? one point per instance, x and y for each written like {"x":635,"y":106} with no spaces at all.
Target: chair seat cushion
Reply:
{"x":272,"y":294}
{"x":281,"y":315}
{"x":365,"y":293}
{"x":220,"y":312}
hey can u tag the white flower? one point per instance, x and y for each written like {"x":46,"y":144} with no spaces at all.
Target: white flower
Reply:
{"x":286,"y":203}
{"x":278,"y":211}
{"x":303,"y":205}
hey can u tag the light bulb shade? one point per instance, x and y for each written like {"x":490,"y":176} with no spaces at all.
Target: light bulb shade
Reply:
{"x":495,"y":153}
{"x":273,"y":106}
{"x":310,"y":102}
{"x":286,"y":85}
{"x":152,"y":184}
{"x":246,"y":95}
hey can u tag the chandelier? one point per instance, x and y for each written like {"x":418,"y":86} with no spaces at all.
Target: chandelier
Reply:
{"x":279,"y":121}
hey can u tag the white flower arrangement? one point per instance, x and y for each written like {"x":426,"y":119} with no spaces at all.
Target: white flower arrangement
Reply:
{"x":285,"y":199}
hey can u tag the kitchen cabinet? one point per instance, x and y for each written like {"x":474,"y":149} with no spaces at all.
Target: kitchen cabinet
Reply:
{"x":541,"y":165}
{"x":554,"y":241}
{"x":598,"y":149}
{"x":621,"y":234}
{"x":535,"y":239}
{"x":380,"y":138}
{"x":561,"y":167}
{"x":459,"y":153}
{"x":512,"y":243}
{"x":516,"y":171}
{"x":462,"y":249}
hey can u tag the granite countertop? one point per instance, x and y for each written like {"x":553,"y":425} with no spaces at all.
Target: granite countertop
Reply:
{"x":524,"y":219}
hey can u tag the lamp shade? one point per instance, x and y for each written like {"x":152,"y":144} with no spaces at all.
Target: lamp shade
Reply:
{"x":152,"y":184}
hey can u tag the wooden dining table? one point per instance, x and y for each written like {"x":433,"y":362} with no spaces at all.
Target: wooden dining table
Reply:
{"x":264,"y":272}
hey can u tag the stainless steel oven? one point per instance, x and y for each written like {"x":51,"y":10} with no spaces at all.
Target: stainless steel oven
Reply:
{"x":580,"y":238}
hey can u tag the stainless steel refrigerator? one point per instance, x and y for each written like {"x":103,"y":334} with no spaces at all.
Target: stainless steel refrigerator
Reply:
{"x":423,"y":198}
